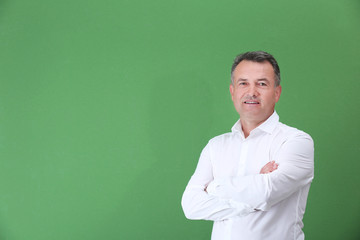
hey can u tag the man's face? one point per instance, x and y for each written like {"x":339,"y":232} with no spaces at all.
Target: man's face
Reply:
{"x":253,"y":91}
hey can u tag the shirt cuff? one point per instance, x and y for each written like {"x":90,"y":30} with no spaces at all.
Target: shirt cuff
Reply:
{"x":211,"y":188}
{"x":243,"y":209}
{"x":215,"y":188}
{"x":220,"y":188}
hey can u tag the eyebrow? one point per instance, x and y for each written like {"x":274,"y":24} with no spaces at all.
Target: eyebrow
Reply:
{"x":258,"y":80}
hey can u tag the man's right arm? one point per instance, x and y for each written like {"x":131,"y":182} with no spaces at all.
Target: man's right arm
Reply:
{"x":198,"y":204}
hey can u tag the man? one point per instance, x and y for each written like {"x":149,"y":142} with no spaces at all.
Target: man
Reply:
{"x":253,"y":182}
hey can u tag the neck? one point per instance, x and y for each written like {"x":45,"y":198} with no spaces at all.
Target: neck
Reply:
{"x":250,"y":123}
{"x":248,"y":126}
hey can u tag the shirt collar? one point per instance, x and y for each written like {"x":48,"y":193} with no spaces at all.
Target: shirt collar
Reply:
{"x":267,"y":126}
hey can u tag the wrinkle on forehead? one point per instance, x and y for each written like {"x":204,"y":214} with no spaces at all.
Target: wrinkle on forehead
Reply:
{"x":254,"y":71}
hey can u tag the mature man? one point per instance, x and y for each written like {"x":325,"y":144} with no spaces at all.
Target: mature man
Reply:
{"x":254,"y":181}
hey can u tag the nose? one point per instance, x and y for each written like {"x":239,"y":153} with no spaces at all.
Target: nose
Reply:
{"x":252,"y":91}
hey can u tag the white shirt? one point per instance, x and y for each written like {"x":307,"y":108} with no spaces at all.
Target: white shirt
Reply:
{"x":243,"y":203}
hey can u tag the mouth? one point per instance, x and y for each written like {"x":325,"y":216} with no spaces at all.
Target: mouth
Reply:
{"x":251,"y":102}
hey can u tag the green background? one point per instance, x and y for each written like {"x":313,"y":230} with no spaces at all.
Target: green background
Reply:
{"x":105,"y":107}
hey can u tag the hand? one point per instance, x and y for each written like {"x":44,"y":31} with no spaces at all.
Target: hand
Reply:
{"x":210,"y":188}
{"x":269,"y":167}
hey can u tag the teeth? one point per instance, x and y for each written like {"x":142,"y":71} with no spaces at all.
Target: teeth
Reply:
{"x":251,"y":102}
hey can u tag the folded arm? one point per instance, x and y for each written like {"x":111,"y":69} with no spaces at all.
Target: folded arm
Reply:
{"x":296,"y":169}
{"x":198,"y":204}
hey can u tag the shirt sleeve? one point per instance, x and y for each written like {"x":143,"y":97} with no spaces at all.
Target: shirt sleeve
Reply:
{"x":296,"y":169}
{"x":198,"y":204}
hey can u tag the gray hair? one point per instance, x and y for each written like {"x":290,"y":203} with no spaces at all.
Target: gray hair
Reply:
{"x":257,"y":56}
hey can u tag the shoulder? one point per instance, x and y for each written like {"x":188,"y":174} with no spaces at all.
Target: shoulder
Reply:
{"x":224,"y":141}
{"x":285,"y":133}
{"x":223,"y":137}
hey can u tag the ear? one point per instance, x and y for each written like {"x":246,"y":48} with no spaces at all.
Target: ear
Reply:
{"x":231,"y":88}
{"x":277,"y":93}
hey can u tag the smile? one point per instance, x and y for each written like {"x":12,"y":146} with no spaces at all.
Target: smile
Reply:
{"x":251,"y":102}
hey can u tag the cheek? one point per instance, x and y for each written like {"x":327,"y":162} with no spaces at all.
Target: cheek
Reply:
{"x":237,"y":98}
{"x":237,"y":94}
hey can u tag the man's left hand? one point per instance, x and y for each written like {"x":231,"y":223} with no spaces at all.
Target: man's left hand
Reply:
{"x":269,"y":167}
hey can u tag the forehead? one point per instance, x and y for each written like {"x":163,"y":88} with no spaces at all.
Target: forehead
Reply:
{"x":254,"y":70}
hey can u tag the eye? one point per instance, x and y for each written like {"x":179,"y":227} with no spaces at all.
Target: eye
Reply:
{"x":242,"y":83}
{"x":263,"y":84}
